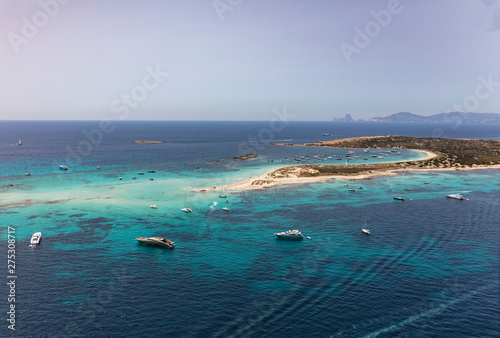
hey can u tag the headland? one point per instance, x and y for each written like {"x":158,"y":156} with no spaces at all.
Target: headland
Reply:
{"x":441,"y":154}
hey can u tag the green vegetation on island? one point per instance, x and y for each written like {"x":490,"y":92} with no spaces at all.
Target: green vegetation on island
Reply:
{"x":245,"y":157}
{"x":451,"y":153}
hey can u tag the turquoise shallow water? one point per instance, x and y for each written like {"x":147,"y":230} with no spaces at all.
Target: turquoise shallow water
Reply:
{"x":430,"y":267}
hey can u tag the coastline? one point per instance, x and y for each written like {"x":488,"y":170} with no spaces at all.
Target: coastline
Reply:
{"x":272,"y":178}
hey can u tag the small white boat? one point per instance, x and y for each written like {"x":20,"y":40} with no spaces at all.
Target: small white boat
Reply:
{"x":36,"y":238}
{"x":120,"y":178}
{"x":186,"y":208}
{"x":351,"y":189}
{"x":63,"y":167}
{"x":399,"y":198}
{"x":455,"y":196}
{"x":153,"y":206}
{"x":156,"y":241}
{"x":19,"y":143}
{"x":292,"y":235}
{"x":27,"y":174}
{"x":427,"y":182}
{"x":225,"y":208}
{"x":366,"y":231}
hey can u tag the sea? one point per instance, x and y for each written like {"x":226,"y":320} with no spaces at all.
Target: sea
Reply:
{"x":430,"y":267}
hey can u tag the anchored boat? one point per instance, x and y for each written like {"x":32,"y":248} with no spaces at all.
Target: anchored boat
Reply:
{"x":455,"y":196}
{"x":156,"y":241}
{"x":292,"y":235}
{"x":36,"y":238}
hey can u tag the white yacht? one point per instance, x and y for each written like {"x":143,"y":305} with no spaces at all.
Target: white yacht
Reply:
{"x":156,"y":241}
{"x":63,"y":167}
{"x":455,"y":196}
{"x":36,"y":238}
{"x":366,"y":231}
{"x":225,"y":209}
{"x":153,"y":206}
{"x":399,"y":198}
{"x":293,"y":235}
{"x":187,"y":209}
{"x":19,"y":143}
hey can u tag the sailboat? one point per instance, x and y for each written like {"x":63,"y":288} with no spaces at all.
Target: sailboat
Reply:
{"x":19,"y":143}
{"x":221,"y":194}
{"x":364,"y":229}
{"x":186,"y":208}
{"x":399,"y":197}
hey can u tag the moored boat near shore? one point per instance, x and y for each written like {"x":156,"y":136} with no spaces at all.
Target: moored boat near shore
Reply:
{"x":455,"y":196}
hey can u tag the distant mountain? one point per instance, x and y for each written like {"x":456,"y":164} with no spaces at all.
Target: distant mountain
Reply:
{"x":346,"y":118}
{"x":443,"y":117}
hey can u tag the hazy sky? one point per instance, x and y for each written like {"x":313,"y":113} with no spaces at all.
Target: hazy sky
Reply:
{"x":242,"y":59}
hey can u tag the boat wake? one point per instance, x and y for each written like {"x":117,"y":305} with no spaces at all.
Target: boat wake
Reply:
{"x":430,"y":312}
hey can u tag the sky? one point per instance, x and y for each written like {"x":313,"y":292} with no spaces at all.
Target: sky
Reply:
{"x":246,"y":60}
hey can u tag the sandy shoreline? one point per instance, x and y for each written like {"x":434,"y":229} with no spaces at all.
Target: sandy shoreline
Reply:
{"x":269,"y":179}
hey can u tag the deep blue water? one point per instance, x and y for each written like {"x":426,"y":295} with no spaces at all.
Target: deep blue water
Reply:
{"x":430,"y":267}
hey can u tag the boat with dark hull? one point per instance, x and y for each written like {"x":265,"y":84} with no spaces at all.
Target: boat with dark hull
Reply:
{"x":156,"y":241}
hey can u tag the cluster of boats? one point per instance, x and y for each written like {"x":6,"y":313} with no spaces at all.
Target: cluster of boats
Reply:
{"x":349,"y":156}
{"x":453,"y":196}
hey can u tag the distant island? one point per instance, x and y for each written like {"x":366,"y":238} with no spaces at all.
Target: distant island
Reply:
{"x":442,"y":154}
{"x":145,"y":141}
{"x":453,"y":117}
{"x":245,"y":157}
